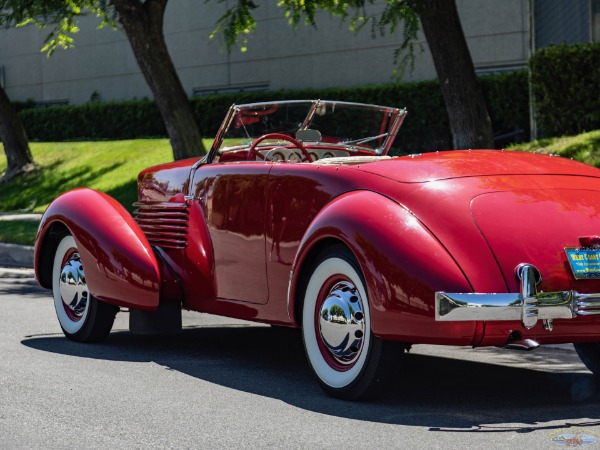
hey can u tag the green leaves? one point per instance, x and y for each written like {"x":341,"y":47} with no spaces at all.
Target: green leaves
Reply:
{"x":425,"y":129}
{"x":565,"y":81}
{"x":59,"y":16}
{"x":238,"y":22}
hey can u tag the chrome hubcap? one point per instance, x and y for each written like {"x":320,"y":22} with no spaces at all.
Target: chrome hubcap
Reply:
{"x":73,"y":288}
{"x":342,"y":323}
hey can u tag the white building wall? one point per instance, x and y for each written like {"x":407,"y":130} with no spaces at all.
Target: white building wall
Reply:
{"x":278,"y":56}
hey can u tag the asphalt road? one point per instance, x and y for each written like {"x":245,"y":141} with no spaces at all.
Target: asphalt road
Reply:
{"x":229,"y":384}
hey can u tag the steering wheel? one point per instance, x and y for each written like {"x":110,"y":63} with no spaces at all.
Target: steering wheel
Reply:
{"x":253,"y":153}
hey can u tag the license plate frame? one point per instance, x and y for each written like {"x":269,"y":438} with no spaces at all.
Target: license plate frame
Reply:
{"x":584,"y":262}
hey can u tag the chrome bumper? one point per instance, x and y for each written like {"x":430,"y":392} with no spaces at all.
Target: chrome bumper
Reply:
{"x":528,"y":305}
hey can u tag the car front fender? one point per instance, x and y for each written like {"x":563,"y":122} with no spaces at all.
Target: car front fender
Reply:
{"x":402,"y":261}
{"x":120,"y":266}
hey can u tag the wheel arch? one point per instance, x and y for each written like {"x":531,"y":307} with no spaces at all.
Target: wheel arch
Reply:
{"x":304,"y":272}
{"x":395,"y":252}
{"x":46,"y":244}
{"x":121,"y":267}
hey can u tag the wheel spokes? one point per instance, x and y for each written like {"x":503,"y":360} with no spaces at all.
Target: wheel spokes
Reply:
{"x":341,"y":323}
{"x":73,"y":287}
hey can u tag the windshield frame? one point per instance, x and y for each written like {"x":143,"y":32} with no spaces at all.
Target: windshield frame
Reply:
{"x":397,"y":113}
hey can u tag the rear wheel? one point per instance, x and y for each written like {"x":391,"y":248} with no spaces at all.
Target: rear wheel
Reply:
{"x":82,"y":317}
{"x":348,"y":360}
{"x":589,"y":352}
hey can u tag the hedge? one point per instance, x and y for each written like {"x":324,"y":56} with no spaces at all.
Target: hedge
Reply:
{"x":425,"y":129}
{"x":566,"y":88}
{"x":115,"y":120}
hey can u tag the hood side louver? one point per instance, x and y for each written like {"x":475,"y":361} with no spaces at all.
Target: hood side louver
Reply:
{"x":165,"y":224}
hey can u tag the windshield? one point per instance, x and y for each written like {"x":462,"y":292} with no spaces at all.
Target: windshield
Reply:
{"x":351,"y":126}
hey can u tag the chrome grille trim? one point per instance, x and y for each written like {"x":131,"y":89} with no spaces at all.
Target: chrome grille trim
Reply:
{"x":165,"y":224}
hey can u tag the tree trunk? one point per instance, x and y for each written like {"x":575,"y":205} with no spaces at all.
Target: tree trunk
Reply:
{"x":469,"y":119}
{"x":14,"y":138}
{"x":143,"y":24}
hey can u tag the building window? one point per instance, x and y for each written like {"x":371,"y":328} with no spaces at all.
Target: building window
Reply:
{"x":200,"y":92}
{"x":561,"y":22}
{"x":596,"y":20}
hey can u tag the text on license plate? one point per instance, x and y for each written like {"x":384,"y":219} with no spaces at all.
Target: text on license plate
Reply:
{"x":585,"y":262}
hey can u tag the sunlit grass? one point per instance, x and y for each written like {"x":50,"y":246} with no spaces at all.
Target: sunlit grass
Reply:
{"x":583,"y":147}
{"x":109,"y":166}
{"x":112,"y":167}
{"x":18,"y":232}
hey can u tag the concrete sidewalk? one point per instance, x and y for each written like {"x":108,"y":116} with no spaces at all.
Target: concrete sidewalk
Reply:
{"x":26,"y":217}
{"x":14,"y":255}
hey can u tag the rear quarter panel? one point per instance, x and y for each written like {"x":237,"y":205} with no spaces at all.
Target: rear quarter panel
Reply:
{"x":403,"y":265}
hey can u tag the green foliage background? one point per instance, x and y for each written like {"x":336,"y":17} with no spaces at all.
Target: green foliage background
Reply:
{"x":566,"y":88}
{"x":425,"y":129}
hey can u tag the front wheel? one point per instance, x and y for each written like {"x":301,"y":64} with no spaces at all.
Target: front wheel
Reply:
{"x":82,"y":317}
{"x":348,"y":360}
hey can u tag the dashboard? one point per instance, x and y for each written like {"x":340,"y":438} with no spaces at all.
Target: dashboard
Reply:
{"x":295,"y":156}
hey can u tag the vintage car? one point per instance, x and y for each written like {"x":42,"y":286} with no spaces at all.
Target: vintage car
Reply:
{"x":297,"y":217}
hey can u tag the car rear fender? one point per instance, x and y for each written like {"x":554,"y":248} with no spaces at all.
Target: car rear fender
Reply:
{"x":120,"y":265}
{"x":402,"y":262}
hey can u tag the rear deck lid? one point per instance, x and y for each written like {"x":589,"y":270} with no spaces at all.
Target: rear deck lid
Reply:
{"x":535,"y":226}
{"x":474,"y":163}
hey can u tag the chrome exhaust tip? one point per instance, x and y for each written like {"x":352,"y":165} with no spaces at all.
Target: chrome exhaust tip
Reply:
{"x":516,"y":342}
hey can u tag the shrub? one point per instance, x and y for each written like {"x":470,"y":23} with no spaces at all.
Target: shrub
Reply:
{"x":566,"y":82}
{"x":425,"y":129}
{"x":114,"y":120}
{"x":21,"y":105}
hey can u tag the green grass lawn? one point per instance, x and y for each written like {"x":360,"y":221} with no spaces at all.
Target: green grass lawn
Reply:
{"x":112,"y":167}
{"x":18,"y":232}
{"x":583,"y":147}
{"x":109,"y":166}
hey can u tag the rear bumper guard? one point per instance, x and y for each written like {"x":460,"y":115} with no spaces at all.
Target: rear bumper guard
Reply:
{"x":528,"y":305}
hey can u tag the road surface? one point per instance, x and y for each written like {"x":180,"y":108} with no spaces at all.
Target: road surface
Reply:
{"x":224,"y":383}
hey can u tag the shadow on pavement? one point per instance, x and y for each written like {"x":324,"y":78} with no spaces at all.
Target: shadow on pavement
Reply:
{"x":20,"y":283}
{"x":442,"y":394}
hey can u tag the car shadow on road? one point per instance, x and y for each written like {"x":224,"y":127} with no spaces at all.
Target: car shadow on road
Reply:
{"x":442,"y":394}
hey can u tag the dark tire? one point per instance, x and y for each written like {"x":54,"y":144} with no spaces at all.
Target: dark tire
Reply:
{"x":589,"y":352}
{"x":349,"y":362}
{"x":82,"y":317}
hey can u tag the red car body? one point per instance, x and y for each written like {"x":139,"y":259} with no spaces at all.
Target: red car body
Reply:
{"x":239,"y":238}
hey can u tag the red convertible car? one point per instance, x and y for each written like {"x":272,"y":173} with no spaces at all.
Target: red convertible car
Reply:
{"x":297,"y":217}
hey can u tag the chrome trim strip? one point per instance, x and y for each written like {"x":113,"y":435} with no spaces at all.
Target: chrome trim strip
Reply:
{"x":233,"y":109}
{"x":393,"y":131}
{"x":399,"y":114}
{"x":329,"y":102}
{"x":309,"y":117}
{"x":165,"y":224}
{"x":527,"y":306}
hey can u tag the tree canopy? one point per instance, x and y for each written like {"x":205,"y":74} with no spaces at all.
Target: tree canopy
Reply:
{"x":60,"y":15}
{"x":238,"y":22}
{"x":142,"y":21}
{"x":469,"y":120}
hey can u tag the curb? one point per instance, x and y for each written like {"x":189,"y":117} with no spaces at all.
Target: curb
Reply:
{"x":7,"y":217}
{"x":14,"y":255}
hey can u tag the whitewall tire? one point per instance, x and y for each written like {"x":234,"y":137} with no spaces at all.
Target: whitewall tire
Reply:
{"x":347,"y":359}
{"x":82,"y":317}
